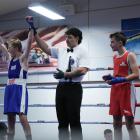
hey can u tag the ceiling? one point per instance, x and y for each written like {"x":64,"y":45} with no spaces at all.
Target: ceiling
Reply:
{"x":8,"y":6}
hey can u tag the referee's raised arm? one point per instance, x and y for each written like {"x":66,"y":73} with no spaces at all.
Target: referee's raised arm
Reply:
{"x":44,"y":46}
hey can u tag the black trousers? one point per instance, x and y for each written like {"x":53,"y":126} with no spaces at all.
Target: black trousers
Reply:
{"x":68,"y":103}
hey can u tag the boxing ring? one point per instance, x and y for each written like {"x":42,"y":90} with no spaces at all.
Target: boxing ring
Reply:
{"x":86,"y":84}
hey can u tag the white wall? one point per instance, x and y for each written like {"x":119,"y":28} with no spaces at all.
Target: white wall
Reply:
{"x":96,"y":30}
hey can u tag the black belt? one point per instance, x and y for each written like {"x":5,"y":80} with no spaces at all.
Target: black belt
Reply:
{"x":69,"y":83}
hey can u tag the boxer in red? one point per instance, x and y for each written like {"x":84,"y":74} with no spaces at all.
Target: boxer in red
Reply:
{"x":122,"y":98}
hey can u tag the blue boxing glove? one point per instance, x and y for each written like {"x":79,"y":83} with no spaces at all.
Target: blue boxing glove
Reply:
{"x":107,"y":77}
{"x":117,"y":80}
{"x":59,"y":74}
{"x":29,"y":20}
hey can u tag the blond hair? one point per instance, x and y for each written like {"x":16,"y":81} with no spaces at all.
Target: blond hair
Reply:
{"x":16,"y":43}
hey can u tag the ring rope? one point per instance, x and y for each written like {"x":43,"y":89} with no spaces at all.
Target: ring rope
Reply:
{"x":82,"y":122}
{"x":51,"y":72}
{"x":83,"y":105}
{"x":84,"y":86}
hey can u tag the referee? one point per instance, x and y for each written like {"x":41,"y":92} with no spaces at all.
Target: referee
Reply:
{"x":72,"y":66}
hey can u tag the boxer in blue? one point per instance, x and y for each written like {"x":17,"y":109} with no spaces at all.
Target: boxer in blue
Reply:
{"x":16,"y":95}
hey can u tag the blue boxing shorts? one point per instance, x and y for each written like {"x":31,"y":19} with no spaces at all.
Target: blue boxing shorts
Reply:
{"x":16,"y":97}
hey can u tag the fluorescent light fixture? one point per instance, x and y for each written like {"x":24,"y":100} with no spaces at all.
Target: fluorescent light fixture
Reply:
{"x":45,"y":12}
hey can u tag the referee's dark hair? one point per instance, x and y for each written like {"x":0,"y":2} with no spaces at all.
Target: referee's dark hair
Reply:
{"x":75,"y":32}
